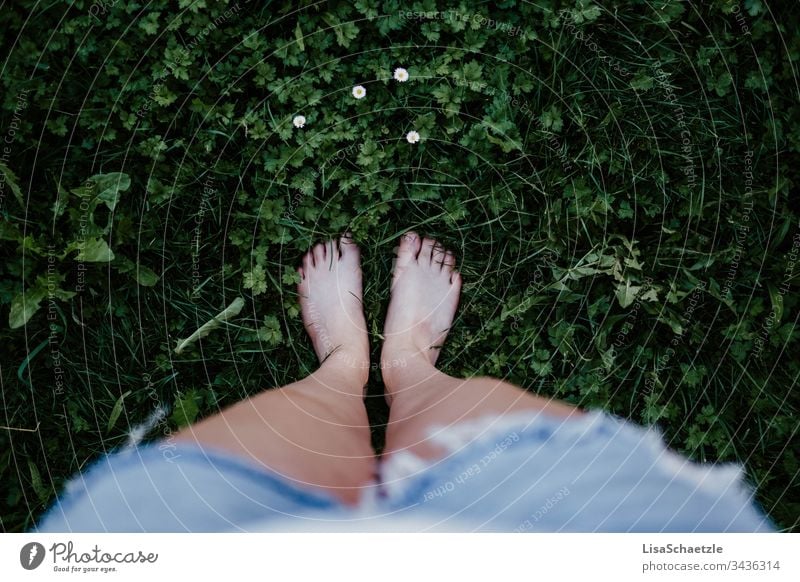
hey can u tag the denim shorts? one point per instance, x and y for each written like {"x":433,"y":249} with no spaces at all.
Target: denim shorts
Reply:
{"x":511,"y":473}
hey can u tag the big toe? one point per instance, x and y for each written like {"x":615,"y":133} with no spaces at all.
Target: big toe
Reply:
{"x":408,"y":250}
{"x":349,"y":252}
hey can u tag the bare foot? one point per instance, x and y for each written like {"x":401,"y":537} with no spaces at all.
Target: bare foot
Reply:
{"x":330,"y":300}
{"x":425,"y":292}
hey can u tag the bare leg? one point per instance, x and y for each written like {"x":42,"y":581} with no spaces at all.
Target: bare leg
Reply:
{"x":425,"y":293}
{"x":314,"y":432}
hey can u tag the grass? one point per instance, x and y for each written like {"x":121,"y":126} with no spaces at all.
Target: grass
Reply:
{"x":620,"y":247}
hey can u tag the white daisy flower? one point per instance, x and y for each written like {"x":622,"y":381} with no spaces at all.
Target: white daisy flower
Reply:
{"x":359,"y":92}
{"x":412,"y":136}
{"x":400,"y":74}
{"x":299,"y":121}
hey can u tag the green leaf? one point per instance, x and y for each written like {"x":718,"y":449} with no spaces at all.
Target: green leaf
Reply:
{"x":650,"y":295}
{"x":671,"y":319}
{"x":36,"y":481}
{"x":95,"y":250}
{"x":754,"y":7}
{"x":551,"y":119}
{"x":142,"y":274}
{"x":507,"y":145}
{"x":585,"y":11}
{"x":472,"y":71}
{"x":24,"y":305}
{"x":256,"y":280}
{"x":11,"y":179}
{"x":722,"y":83}
{"x":344,"y":31}
{"x":104,"y":187}
{"x":116,"y":411}
{"x":163,"y":96}
{"x":608,"y":358}
{"x":149,"y":23}
{"x":642,"y":82}
{"x":626,"y":293}
{"x":186,"y":409}
{"x":290,"y":276}
{"x":145,"y":276}
{"x":270,"y":332}
{"x":228,"y":313}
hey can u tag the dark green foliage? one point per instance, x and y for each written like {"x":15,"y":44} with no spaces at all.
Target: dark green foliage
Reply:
{"x":619,"y":182}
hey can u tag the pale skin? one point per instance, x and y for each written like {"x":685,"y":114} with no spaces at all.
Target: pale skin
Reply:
{"x":315,"y":432}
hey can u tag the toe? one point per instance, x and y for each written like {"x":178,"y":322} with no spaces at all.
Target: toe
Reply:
{"x":332,"y":250}
{"x":439,"y":255}
{"x":455,"y":280}
{"x":348,"y":249}
{"x":449,"y":261}
{"x":308,"y":261}
{"x":302,"y":286}
{"x":426,"y":251}
{"x":408,"y":250}
{"x":319,"y":255}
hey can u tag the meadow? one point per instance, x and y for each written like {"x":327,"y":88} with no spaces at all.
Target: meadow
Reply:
{"x":618,"y":181}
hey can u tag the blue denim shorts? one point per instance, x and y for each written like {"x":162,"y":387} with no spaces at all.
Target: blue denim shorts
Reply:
{"x":514,"y":473}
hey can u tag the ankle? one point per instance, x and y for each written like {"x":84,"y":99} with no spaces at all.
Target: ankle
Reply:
{"x":406,"y":347}
{"x":351,"y":366}
{"x":399,"y":356}
{"x":404,"y":366}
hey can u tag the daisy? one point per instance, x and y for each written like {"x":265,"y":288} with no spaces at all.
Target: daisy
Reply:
{"x":299,"y":121}
{"x":401,"y":75}
{"x":412,"y":136}
{"x":359,"y":92}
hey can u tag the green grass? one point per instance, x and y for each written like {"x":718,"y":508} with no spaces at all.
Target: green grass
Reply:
{"x":603,"y":264}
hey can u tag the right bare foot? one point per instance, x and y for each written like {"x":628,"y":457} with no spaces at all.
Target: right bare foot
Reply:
{"x":425,"y":292}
